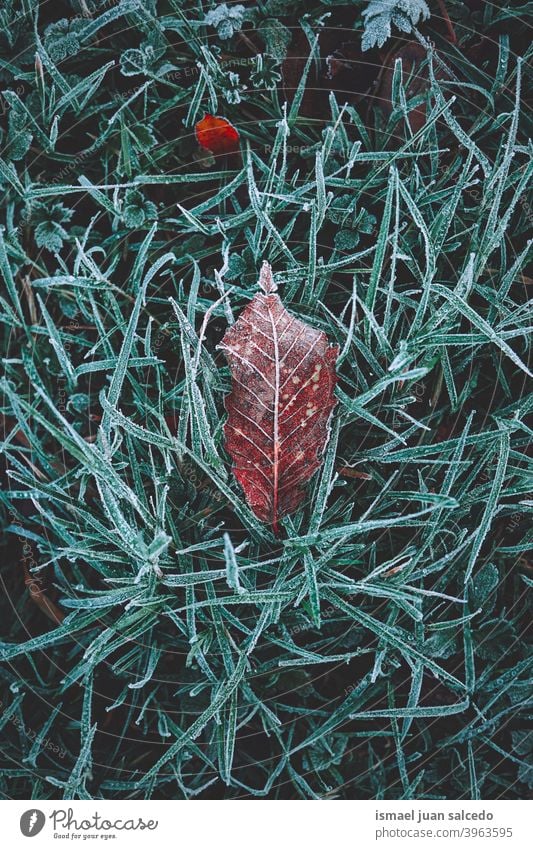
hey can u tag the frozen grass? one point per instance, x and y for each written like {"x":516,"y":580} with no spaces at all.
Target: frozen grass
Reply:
{"x":377,"y":648}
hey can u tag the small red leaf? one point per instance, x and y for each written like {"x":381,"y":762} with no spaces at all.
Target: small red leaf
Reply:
{"x":217,"y":135}
{"x":280,"y":406}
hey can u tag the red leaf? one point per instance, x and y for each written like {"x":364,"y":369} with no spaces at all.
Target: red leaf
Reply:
{"x":217,"y":135}
{"x":281,"y":402}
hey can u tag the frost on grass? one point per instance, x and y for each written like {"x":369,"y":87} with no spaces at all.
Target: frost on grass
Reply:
{"x":375,"y":647}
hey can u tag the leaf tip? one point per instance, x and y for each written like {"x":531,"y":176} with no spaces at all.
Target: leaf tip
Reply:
{"x":266,"y":279}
